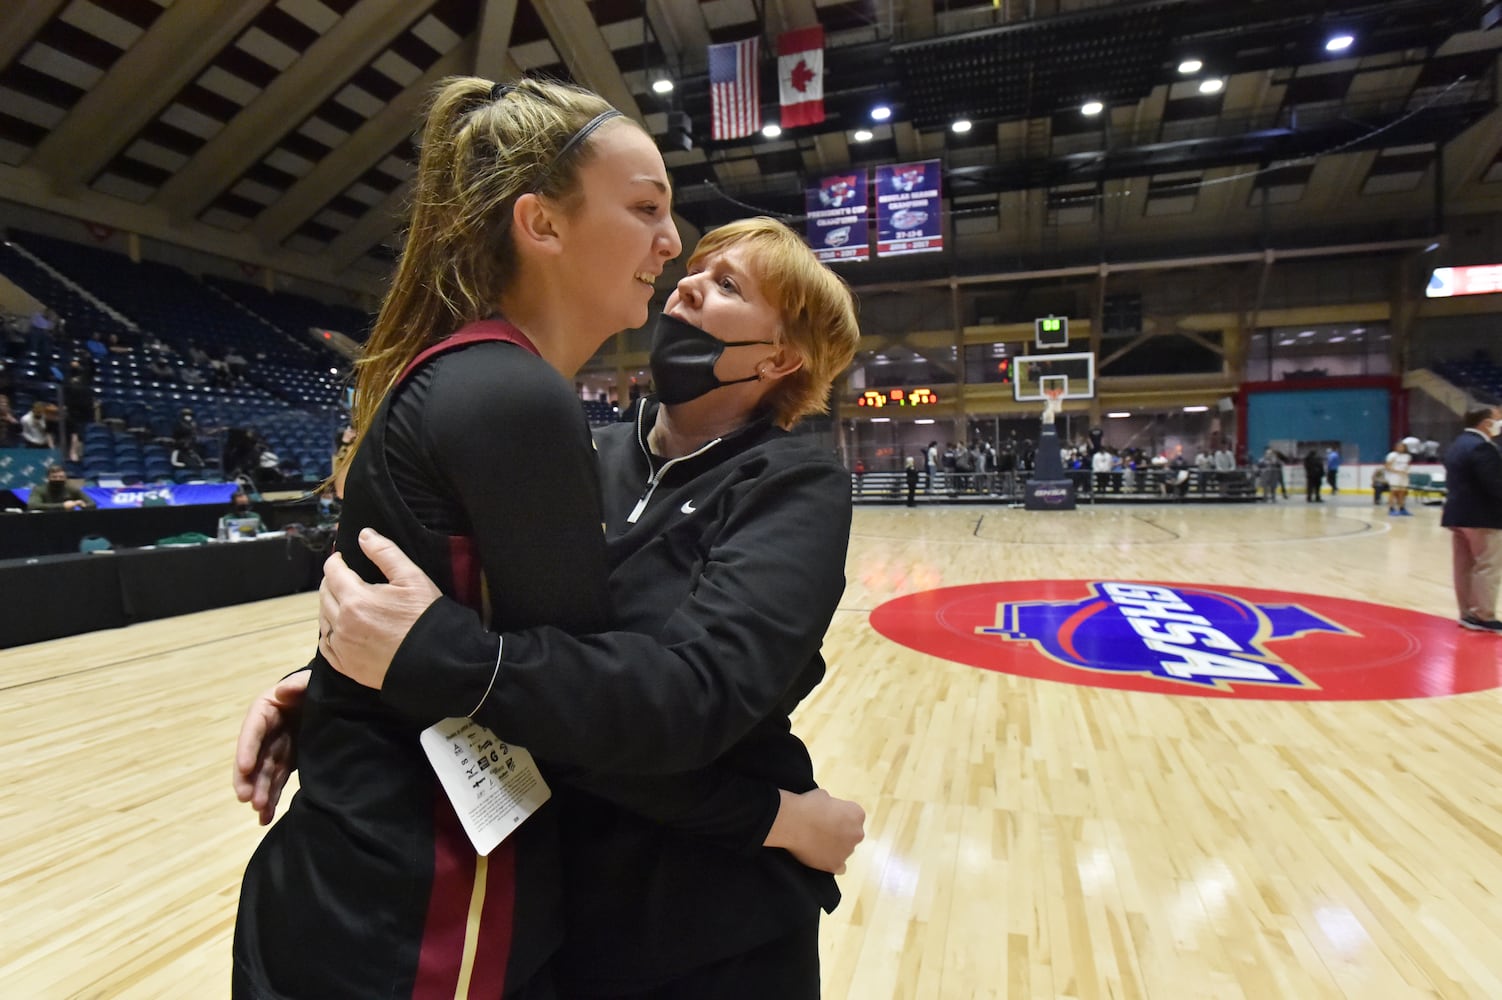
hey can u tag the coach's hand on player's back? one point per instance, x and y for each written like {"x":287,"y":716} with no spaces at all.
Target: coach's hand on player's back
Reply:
{"x":363,"y":624}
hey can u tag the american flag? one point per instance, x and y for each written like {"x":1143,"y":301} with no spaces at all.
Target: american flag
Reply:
{"x":735,"y":89}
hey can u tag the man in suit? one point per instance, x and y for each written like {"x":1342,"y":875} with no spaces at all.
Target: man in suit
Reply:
{"x":1473,"y":513}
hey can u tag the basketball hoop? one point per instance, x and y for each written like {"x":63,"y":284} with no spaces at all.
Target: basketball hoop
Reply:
{"x":1053,"y":400}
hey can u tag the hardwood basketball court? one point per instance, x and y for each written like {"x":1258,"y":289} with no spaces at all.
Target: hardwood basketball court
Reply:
{"x":1027,"y":837}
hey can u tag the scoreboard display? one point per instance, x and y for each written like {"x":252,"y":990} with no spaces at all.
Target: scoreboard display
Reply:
{"x":897,"y":397}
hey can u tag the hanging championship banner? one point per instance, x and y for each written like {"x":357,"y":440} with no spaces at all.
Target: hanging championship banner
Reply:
{"x":909,"y":209}
{"x":837,"y":218}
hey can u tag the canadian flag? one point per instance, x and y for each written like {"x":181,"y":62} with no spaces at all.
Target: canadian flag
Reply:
{"x":800,"y":73}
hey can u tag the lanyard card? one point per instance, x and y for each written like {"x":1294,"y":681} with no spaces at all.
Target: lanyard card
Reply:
{"x":492,"y":785}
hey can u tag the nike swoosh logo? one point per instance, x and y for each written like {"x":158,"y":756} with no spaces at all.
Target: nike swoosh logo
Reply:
{"x":688,"y":507}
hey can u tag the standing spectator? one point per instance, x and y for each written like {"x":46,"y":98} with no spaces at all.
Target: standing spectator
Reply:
{"x":10,"y":426}
{"x":1396,"y":464}
{"x":186,"y":428}
{"x":1270,"y":473}
{"x":1314,"y":476}
{"x":1332,"y":469}
{"x":81,"y":404}
{"x":930,"y":462}
{"x":1100,"y":464}
{"x":1473,"y":513}
{"x":56,"y":493}
{"x":44,"y":324}
{"x":236,"y":363}
{"x":34,"y":430}
{"x":911,"y":471}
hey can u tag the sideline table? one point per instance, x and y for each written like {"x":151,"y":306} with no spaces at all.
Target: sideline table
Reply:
{"x":47,"y":597}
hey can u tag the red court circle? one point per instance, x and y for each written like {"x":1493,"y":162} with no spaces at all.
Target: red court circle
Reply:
{"x":1202,"y":640}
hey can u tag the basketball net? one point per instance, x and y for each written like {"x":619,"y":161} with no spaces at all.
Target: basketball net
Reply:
{"x":1052,"y":400}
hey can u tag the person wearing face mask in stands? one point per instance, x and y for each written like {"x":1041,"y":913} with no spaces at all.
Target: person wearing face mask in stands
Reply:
{"x":727,"y":536}
{"x":1473,"y":513}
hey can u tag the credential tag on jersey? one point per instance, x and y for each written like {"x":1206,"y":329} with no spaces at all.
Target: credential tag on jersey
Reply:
{"x":492,"y":785}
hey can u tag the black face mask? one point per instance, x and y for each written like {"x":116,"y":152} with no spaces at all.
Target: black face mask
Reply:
{"x":683,"y":359}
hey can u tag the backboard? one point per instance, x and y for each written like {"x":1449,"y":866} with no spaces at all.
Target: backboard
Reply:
{"x":1031,"y":373}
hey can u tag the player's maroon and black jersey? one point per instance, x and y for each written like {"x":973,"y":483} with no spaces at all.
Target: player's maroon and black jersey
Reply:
{"x":727,"y":565}
{"x":368,"y":886}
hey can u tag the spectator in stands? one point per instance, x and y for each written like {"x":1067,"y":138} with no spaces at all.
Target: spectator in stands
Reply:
{"x":56,"y":493}
{"x":185,"y":456}
{"x":45,"y":325}
{"x":161,"y":368}
{"x":192,"y":376}
{"x":910,"y":470}
{"x":1225,"y":461}
{"x":197,"y":355}
{"x":220,"y":373}
{"x":1396,"y":464}
{"x":930,"y":466}
{"x":240,"y":510}
{"x":1332,"y":469}
{"x":10,"y":425}
{"x":82,"y":407}
{"x":35,"y":432}
{"x":97,"y":348}
{"x":1314,"y":476}
{"x":569,"y":273}
{"x":153,"y":344}
{"x":344,"y":440}
{"x":186,"y":428}
{"x":117,"y":346}
{"x":1473,"y":513}
{"x":236,"y":363}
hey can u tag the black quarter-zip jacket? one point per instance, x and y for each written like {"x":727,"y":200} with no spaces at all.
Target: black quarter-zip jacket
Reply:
{"x":728,"y":565}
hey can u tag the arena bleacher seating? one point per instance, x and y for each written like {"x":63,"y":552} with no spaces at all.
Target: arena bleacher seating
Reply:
{"x":1477,"y":375}
{"x":290,"y":392}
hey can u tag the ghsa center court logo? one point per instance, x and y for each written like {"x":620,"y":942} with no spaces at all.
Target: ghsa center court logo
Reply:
{"x":1195,"y":639}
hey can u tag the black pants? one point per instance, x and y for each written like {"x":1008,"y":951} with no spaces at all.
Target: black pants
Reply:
{"x":1311,"y":488}
{"x":784,"y":969}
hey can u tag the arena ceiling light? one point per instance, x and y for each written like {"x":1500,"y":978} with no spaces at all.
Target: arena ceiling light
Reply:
{"x":1189,"y":67}
{"x":1091,"y":108}
{"x":1118,"y":415}
{"x":881,"y":420}
{"x":663,"y":86}
{"x":771,"y":130}
{"x":961,"y":125}
{"x":925,"y":420}
{"x":1195,"y":409}
{"x":880,"y":113}
{"x":862,"y":135}
{"x":1214,"y":85}
{"x":1339,"y":43}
